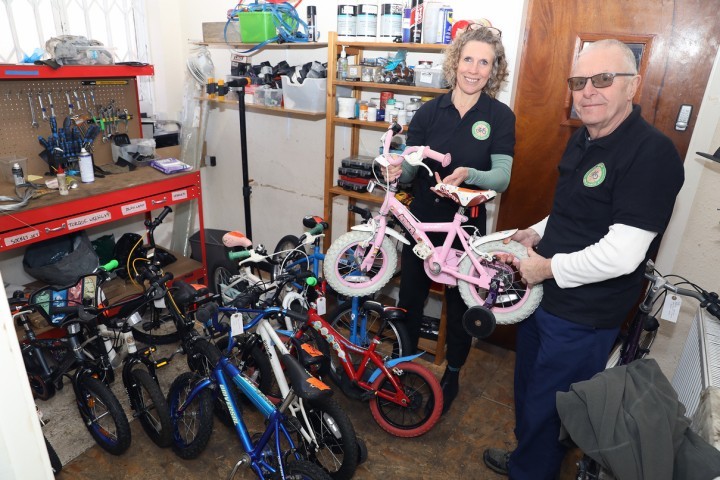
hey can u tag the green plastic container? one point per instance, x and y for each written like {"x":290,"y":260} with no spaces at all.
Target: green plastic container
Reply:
{"x":256,"y":27}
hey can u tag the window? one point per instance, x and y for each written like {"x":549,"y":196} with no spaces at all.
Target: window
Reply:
{"x":119,"y":24}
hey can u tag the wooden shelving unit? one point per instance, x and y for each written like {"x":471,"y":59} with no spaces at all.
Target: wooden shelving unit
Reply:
{"x":332,"y":121}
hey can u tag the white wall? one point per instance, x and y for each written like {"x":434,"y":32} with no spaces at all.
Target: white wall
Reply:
{"x":22,"y":449}
{"x":691,"y":244}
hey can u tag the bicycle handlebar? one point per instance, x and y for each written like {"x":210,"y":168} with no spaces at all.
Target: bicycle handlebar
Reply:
{"x":412,"y":155}
{"x":658,"y":283}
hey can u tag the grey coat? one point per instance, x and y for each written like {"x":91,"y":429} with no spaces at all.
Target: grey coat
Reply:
{"x":629,"y":419}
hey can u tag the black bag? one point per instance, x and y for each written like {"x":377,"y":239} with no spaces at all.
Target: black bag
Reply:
{"x":123,"y":249}
{"x":61,"y":261}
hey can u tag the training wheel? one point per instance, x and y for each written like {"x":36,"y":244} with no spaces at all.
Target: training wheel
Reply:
{"x":479,"y":322}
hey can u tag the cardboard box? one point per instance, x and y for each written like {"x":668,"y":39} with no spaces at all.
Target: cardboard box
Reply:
{"x":215,"y":32}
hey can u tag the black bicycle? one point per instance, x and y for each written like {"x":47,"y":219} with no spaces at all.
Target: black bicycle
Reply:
{"x":636,"y":340}
{"x":79,"y":354}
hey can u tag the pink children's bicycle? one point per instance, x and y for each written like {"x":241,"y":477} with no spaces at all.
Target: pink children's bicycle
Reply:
{"x":364,"y":260}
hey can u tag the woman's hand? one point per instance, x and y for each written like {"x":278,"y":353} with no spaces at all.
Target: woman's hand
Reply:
{"x":392,"y":172}
{"x":456,"y":178}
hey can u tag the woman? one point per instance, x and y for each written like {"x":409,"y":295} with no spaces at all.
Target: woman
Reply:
{"x":479,"y":132}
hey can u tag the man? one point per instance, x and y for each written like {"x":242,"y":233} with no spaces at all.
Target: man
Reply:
{"x":618,"y":180}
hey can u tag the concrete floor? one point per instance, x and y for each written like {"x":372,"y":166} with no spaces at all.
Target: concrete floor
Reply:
{"x":481,"y":417}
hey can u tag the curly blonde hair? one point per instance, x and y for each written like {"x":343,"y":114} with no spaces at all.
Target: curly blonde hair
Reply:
{"x":499,"y":69}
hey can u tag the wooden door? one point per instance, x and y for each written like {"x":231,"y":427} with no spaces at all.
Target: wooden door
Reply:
{"x":681,"y":40}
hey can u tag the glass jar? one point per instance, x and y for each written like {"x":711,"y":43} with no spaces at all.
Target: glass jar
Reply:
{"x":412,"y":107}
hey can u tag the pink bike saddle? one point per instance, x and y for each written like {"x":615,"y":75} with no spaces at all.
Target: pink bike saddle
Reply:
{"x":463,"y":196}
{"x":236,"y":239}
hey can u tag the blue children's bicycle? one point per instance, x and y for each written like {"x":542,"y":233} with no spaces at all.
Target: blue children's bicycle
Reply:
{"x":273,"y":453}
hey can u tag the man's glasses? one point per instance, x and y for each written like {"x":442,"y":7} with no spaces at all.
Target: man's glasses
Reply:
{"x":477,"y":26}
{"x":601,"y":80}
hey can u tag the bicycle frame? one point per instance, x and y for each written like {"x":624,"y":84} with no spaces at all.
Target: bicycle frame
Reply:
{"x":341,"y":346}
{"x":275,"y":347}
{"x":445,"y":259}
{"x":254,"y":453}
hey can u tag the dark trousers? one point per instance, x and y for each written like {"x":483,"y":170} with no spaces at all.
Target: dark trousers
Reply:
{"x":414,"y":289}
{"x":551,"y":354}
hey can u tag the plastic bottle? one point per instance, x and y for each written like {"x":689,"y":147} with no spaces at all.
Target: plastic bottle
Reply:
{"x":62,"y":181}
{"x":343,"y":65}
{"x":17,"y":174}
{"x":312,"y":24}
{"x":87,"y":174}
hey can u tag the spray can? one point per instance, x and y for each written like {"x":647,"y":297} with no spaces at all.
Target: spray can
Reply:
{"x":406,"y":16}
{"x":17,"y":174}
{"x":390,"y":21}
{"x":416,"y":21}
{"x":62,"y":181}
{"x":312,"y":23}
{"x":87,"y":174}
{"x":444,"y":25}
{"x":366,"y":21}
{"x":346,"y":19}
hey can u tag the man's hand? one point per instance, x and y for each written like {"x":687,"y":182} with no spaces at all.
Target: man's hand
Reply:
{"x":528,"y":238}
{"x":456,"y":178}
{"x":534,"y":269}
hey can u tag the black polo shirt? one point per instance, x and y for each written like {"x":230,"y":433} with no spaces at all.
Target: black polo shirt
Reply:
{"x":487,"y":128}
{"x":632,"y":177}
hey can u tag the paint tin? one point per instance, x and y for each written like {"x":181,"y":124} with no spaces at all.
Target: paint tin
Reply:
{"x":390,"y":21}
{"x":346,"y":19}
{"x":366,"y":21}
{"x":444,"y":25}
{"x":384,"y":97}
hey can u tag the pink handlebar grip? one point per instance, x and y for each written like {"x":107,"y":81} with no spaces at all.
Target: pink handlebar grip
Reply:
{"x":444,"y":159}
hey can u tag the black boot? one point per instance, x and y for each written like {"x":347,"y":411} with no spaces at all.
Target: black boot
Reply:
{"x":450,"y":386}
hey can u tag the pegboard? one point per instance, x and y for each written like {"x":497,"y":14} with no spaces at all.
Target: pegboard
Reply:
{"x":19,"y":137}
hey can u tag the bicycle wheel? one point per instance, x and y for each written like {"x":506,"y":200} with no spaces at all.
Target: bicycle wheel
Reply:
{"x":148,"y":402}
{"x":337,"y":448}
{"x":55,"y":462}
{"x":394,"y":340}
{"x":515,"y":301}
{"x":411,"y":420}
{"x":193,"y":426}
{"x":253,"y":363}
{"x":342,"y":265}
{"x":103,"y":415}
{"x":301,"y":469}
{"x":160,"y":329}
{"x":202,"y":357}
{"x":290,"y":258}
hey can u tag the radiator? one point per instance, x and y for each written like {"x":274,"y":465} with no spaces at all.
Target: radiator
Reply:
{"x":699,"y":366}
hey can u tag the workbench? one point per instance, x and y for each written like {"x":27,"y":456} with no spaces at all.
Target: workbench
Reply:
{"x":106,"y":200}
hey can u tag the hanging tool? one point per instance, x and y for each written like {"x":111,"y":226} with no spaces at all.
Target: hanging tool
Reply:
{"x":34,"y":123}
{"x":87,"y":109}
{"x":69,"y":104}
{"x":53,"y":119}
{"x":42,"y":107}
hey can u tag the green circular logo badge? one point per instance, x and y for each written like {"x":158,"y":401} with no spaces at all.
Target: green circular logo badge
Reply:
{"x":595,"y":176}
{"x":481,"y":130}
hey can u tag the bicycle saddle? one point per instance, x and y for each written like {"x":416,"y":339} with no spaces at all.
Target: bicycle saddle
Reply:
{"x":463,"y":196}
{"x":236,"y":239}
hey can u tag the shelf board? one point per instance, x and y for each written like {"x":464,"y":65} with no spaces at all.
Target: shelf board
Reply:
{"x":25,"y":71}
{"x":364,"y":196}
{"x":390,"y":86}
{"x":412,"y":47}
{"x":272,"y":46}
{"x":365,"y":123}
{"x":266,"y":109}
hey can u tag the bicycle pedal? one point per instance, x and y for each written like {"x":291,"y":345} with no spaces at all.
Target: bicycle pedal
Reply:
{"x":161,"y":362}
